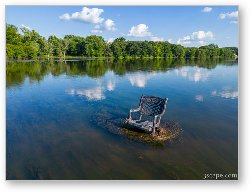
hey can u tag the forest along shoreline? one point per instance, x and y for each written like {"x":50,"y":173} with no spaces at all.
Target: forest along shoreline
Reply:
{"x":25,"y":44}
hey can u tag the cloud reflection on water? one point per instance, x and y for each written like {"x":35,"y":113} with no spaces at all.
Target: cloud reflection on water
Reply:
{"x":111,"y":85}
{"x":226,"y":93}
{"x":199,"y":98}
{"x":195,"y":74}
{"x":95,"y":93}
{"x":139,"y":79}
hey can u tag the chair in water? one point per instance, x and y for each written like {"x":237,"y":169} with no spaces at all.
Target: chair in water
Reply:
{"x":150,"y":111}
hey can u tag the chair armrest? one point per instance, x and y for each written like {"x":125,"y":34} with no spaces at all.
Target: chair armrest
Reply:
{"x":135,"y":110}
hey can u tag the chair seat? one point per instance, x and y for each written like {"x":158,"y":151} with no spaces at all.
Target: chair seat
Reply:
{"x":144,"y":125}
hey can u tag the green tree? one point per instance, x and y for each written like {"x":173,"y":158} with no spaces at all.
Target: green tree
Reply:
{"x":158,"y":49}
{"x":167,"y":50}
{"x":56,"y":46}
{"x":118,"y":47}
{"x":178,"y":51}
{"x":64,"y":45}
{"x":12,"y":35}
{"x":94,"y":46}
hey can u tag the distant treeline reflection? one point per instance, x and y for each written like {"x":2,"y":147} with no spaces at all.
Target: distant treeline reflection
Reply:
{"x":16,"y":72}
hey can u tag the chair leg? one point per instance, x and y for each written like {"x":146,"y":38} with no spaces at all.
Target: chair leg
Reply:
{"x":129,"y":117}
{"x":140,"y":117}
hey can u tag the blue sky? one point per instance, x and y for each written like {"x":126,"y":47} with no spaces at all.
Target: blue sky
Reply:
{"x":186,"y":25}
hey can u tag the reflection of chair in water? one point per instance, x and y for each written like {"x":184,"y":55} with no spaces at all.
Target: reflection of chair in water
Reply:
{"x":150,"y":111}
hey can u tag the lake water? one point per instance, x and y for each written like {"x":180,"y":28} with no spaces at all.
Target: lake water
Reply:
{"x":52,"y":110}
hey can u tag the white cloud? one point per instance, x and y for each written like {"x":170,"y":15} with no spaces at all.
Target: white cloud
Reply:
{"x":110,"y":40}
{"x":201,"y":35}
{"x":109,"y":25}
{"x":26,"y":27}
{"x":140,"y":30}
{"x":207,"y":9}
{"x":196,"y":37}
{"x":199,"y":98}
{"x":97,"y":29}
{"x":185,"y":40}
{"x":229,"y":15}
{"x":157,"y":39}
{"x":170,"y":40}
{"x":226,"y":93}
{"x":88,"y":15}
{"x":91,"y":15}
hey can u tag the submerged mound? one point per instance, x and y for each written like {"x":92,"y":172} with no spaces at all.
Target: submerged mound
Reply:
{"x":168,"y":131}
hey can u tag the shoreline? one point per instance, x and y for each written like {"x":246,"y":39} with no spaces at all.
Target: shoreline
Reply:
{"x":113,"y":58}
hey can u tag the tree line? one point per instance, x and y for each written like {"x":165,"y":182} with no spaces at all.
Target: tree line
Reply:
{"x":22,"y":44}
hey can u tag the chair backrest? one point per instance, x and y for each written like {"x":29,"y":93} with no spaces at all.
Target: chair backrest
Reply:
{"x":152,"y":106}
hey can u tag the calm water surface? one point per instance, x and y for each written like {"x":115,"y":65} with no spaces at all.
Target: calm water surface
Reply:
{"x":52,"y":132}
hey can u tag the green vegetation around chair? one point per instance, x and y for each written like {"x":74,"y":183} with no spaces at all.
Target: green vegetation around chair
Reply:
{"x":24,"y":44}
